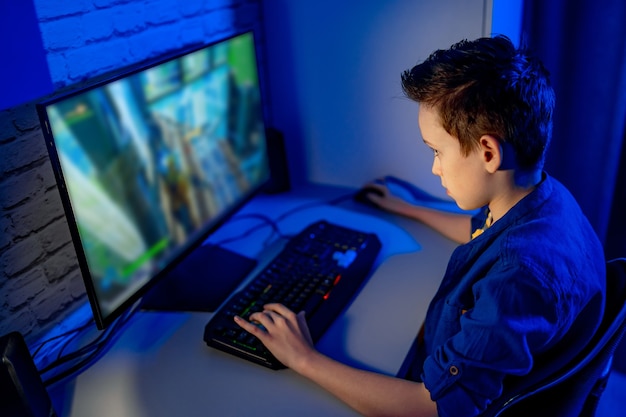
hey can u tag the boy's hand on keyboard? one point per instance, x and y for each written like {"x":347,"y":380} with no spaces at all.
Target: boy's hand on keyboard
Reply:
{"x":283,"y":332}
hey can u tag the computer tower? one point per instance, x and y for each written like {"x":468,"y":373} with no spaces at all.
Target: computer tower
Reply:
{"x":23,"y":393}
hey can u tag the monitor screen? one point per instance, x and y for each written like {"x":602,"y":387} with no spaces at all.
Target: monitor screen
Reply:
{"x":150,"y":162}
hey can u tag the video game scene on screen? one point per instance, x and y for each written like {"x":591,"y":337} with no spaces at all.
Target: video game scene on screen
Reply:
{"x":188,"y":137}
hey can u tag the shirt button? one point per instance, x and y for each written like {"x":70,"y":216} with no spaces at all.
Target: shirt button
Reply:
{"x":453,"y":370}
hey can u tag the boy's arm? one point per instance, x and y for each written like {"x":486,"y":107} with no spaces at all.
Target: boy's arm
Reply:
{"x":286,"y":335}
{"x":369,"y":393}
{"x":453,"y":226}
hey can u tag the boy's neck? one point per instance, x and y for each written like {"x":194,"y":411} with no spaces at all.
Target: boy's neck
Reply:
{"x":520,"y":185}
{"x":527,"y":179}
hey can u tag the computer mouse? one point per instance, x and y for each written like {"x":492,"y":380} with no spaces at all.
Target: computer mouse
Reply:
{"x":361,"y":195}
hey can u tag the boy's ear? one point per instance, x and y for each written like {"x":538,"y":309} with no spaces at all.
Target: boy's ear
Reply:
{"x":491,"y":151}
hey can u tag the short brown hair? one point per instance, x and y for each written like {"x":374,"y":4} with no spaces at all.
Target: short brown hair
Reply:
{"x":487,"y":86}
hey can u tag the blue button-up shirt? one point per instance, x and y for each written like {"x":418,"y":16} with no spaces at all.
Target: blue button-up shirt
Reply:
{"x":508,"y":306}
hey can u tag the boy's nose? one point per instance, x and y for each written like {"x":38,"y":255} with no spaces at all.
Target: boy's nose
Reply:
{"x":436,"y":169}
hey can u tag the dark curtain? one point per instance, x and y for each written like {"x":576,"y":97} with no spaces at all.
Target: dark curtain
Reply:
{"x":583,"y":45}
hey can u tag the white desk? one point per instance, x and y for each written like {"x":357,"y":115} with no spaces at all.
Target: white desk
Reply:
{"x":160,"y":366}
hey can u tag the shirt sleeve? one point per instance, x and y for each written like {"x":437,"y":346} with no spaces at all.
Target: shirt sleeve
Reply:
{"x":514,"y":316}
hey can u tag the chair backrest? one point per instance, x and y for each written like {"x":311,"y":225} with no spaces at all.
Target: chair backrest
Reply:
{"x":575,"y":390}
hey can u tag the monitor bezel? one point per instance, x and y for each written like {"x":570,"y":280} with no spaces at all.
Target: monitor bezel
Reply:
{"x":105,"y":320}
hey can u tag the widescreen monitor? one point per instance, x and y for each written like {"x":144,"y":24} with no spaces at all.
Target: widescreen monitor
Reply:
{"x":149,"y":163}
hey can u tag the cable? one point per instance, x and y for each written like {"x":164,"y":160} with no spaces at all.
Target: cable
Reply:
{"x":266,"y":221}
{"x":87,"y":354}
{"x":305,"y":206}
{"x":75,"y":330}
{"x":93,"y":351}
{"x":67,"y":342}
{"x":274,"y":222}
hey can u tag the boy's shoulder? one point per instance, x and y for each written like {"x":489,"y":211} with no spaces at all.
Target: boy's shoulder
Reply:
{"x":554,"y":234}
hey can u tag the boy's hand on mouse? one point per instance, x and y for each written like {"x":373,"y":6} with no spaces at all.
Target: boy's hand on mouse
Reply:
{"x":283,"y":332}
{"x":387,"y":201}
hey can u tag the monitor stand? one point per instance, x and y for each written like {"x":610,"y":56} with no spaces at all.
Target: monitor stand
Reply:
{"x":201,"y":282}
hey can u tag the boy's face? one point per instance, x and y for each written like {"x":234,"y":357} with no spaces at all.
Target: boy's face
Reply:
{"x":464,"y":177}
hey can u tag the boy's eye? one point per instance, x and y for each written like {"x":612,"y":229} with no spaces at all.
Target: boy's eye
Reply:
{"x":435,"y":152}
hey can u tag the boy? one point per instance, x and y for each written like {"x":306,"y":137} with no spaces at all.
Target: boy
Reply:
{"x":508,"y":306}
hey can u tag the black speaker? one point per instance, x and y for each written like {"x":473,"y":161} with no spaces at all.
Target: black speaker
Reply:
{"x":279,"y":171}
{"x":23,"y":392}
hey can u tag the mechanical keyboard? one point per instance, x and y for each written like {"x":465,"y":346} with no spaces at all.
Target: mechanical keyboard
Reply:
{"x":319,"y":271}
